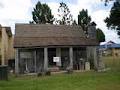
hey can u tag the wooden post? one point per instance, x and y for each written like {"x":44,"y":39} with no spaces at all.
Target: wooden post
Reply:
{"x":87,"y":53}
{"x":35,"y":61}
{"x":45,"y":59}
{"x":87,"y":63}
{"x":71,"y":57}
{"x":17,"y":62}
{"x":58,"y":54}
{"x":100,"y":63}
{"x":95,"y":58}
{"x":3,"y":59}
{"x":2,"y":55}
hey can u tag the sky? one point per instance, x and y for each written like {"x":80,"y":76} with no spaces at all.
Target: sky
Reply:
{"x":19,"y":11}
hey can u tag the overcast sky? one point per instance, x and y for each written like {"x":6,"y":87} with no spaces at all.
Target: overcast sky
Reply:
{"x":19,"y":11}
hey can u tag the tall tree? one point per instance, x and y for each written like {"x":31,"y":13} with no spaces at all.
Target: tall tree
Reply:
{"x":107,"y":1}
{"x":84,"y":20}
{"x":41,"y":14}
{"x":113,"y":21}
{"x":64,"y":15}
{"x":100,"y":35}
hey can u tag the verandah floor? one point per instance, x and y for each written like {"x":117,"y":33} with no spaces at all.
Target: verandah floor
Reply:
{"x":56,"y":72}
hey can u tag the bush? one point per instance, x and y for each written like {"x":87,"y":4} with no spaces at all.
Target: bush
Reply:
{"x":48,"y":73}
{"x":39,"y":74}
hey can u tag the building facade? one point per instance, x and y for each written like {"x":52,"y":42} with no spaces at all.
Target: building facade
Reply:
{"x":6,"y":45}
{"x":43,"y":47}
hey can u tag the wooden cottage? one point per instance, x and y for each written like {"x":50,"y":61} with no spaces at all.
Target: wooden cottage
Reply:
{"x":42,"y":47}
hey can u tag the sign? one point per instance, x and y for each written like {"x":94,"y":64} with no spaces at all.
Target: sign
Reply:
{"x":56,"y":59}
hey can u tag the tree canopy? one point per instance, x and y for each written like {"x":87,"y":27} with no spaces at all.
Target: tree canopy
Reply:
{"x":64,"y":15}
{"x":113,"y":21}
{"x":84,"y":19}
{"x":106,"y":1}
{"x":100,"y":35}
{"x":41,"y":14}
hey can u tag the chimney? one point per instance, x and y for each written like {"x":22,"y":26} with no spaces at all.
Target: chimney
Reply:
{"x":92,"y":30}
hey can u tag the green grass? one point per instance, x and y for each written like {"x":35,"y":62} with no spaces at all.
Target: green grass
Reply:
{"x":112,"y":62}
{"x":109,"y":80}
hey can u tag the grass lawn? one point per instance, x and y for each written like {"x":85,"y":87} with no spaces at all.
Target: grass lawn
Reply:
{"x":109,"y":80}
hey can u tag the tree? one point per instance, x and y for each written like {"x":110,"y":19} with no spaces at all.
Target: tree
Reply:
{"x":64,"y":15}
{"x":100,"y":35}
{"x":42,"y":14}
{"x":107,"y":1}
{"x":113,"y":21}
{"x":74,"y":22}
{"x":84,"y":20}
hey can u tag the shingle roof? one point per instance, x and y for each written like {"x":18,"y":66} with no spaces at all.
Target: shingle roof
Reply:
{"x":36,"y":35}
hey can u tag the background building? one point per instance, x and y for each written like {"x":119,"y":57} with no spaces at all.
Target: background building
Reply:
{"x":6,"y":46}
{"x":110,"y":48}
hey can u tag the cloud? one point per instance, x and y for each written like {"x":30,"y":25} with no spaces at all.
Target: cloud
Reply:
{"x":98,"y":17}
{"x":15,"y":11}
{"x":1,"y":5}
{"x":76,"y":7}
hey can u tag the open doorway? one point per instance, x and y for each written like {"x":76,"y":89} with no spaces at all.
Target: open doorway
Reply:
{"x":65,"y":61}
{"x":51,"y":54}
{"x":79,"y":58}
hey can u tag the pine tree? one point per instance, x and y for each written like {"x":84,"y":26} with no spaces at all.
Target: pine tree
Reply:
{"x":100,"y":35}
{"x":113,"y":21}
{"x":84,"y":19}
{"x":42,"y":14}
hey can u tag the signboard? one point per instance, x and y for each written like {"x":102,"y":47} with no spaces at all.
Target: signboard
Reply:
{"x":56,"y":59}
